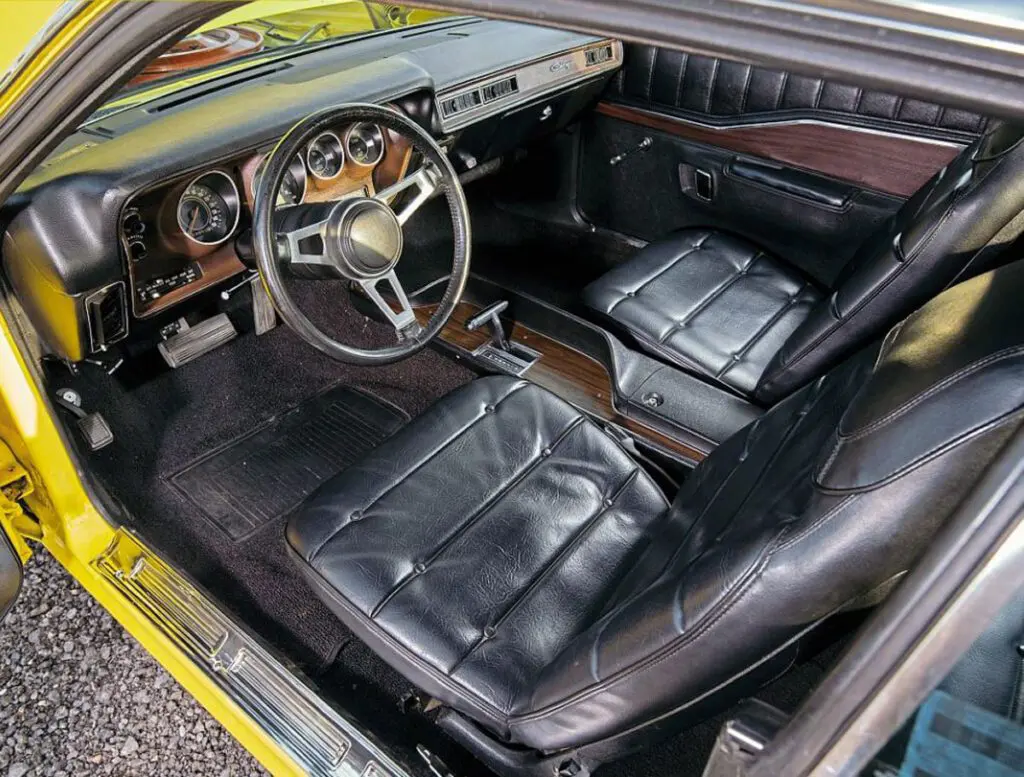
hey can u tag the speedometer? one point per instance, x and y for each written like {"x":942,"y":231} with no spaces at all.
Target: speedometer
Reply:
{"x":208,"y":209}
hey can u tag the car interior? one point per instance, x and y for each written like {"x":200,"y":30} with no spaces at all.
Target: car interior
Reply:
{"x":539,"y":396}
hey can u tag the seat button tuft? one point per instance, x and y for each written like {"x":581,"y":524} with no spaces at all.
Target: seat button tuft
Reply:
{"x":420,"y":568}
{"x":546,"y":452}
{"x":608,"y":503}
{"x":488,"y":408}
{"x":489,"y":632}
{"x":356,"y":515}
{"x":630,"y":293}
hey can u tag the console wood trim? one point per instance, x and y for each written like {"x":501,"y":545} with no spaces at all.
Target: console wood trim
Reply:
{"x":889,"y":162}
{"x":574,"y":376}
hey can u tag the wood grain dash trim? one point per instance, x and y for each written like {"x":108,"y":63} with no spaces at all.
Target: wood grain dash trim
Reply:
{"x":888,"y":162}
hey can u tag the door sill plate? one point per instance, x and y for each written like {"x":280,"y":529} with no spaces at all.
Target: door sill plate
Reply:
{"x":317,"y":737}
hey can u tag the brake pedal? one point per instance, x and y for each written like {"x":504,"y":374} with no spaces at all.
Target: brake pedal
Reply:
{"x":93,"y":426}
{"x":189,"y":344}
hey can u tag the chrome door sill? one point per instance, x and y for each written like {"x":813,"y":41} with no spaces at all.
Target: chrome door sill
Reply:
{"x":314,"y":734}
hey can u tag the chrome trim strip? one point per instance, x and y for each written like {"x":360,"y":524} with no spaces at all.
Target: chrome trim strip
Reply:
{"x":562,"y":70}
{"x":276,"y":697}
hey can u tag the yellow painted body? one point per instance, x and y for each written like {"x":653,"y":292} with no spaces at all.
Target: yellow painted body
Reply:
{"x":37,"y":467}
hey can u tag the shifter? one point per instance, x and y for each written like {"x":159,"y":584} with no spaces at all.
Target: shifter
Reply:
{"x":501,"y":353}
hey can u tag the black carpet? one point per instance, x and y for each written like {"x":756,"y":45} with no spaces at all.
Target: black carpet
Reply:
{"x":265,"y":474}
{"x":164,"y":420}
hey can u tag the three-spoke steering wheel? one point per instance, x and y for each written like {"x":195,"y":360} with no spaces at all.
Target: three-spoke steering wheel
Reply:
{"x":357,"y":238}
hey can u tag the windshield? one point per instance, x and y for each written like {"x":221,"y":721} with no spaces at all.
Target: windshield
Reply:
{"x":265,"y":27}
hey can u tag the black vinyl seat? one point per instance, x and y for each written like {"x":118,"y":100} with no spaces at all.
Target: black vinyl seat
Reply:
{"x":509,"y":558}
{"x":717,"y":305}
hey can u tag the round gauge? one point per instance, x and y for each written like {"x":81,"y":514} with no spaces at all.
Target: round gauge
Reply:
{"x":364,"y":144}
{"x":208,"y":209}
{"x":325,"y":156}
{"x":293,"y":185}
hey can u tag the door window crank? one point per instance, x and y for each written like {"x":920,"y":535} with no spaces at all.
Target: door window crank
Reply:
{"x":643,"y":145}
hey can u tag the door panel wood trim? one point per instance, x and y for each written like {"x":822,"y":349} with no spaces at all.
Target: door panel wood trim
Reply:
{"x":888,"y":162}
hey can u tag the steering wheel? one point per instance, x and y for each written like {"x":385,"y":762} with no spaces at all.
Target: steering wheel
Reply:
{"x":358,"y":239}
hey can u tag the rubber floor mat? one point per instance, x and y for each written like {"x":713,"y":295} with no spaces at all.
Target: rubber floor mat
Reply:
{"x":250,"y":481}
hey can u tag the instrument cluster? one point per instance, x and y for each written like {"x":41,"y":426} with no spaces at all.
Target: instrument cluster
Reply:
{"x":209,"y":208}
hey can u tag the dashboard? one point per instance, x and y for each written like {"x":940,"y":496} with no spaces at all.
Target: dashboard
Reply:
{"x":177,"y":235}
{"x":137,"y":212}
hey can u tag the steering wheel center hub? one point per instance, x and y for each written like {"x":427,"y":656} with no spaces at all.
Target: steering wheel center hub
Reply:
{"x":364,"y":238}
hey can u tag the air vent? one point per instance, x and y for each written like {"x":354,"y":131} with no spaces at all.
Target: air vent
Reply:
{"x":461,"y":102}
{"x":107,"y":311}
{"x":599,"y":55}
{"x":500,"y":89}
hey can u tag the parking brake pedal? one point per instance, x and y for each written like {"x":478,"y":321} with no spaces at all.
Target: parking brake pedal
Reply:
{"x":189,"y":344}
{"x":93,"y":426}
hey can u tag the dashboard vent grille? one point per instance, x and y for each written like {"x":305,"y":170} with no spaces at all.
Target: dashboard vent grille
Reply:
{"x":599,"y":55}
{"x":461,"y":102}
{"x":500,"y":89}
{"x":107,"y":311}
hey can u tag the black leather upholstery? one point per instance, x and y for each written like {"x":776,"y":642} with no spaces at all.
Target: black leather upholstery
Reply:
{"x":706,"y":88}
{"x":709,"y":302}
{"x":508,"y":557}
{"x":953,"y":228}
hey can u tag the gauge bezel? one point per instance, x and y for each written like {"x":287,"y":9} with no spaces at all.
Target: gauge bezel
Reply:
{"x":341,"y":154}
{"x":233,"y":204}
{"x":278,"y":203}
{"x":380,"y":143}
{"x":301,"y":160}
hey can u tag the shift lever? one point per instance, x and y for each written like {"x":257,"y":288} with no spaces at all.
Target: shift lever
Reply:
{"x":492,"y":315}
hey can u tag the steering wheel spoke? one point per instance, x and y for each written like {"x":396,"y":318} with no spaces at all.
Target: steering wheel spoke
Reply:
{"x":427,"y":180}
{"x":404,"y":320}
{"x":306,"y":244}
{"x":358,"y":239}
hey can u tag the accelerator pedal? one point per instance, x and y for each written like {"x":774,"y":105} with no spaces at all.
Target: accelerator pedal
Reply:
{"x":191,"y":343}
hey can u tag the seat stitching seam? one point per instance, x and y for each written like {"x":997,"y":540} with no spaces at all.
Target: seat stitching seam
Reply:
{"x":937,"y":451}
{"x":946,"y":382}
{"x":385,"y":636}
{"x":903,"y":266}
{"x":417,"y":467}
{"x":789,"y":542}
{"x":715,"y":293}
{"x":804,"y":412}
{"x":733,"y":596}
{"x":481,"y":511}
{"x":669,"y":266}
{"x":762,"y":331}
{"x":548,"y":568}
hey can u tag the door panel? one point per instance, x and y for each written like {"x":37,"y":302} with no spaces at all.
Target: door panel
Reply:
{"x":889,"y":162}
{"x":803,"y":166}
{"x":656,"y":191}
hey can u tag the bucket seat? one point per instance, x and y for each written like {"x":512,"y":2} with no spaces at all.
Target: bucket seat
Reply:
{"x":719,"y":306}
{"x":507,"y":556}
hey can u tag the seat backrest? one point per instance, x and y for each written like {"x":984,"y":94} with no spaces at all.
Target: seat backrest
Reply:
{"x":814,"y":508}
{"x":950,"y":230}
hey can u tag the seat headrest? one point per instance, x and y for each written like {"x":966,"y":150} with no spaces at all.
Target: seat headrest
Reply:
{"x":944,"y":374}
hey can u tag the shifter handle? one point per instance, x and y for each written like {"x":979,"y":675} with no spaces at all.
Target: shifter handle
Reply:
{"x":491,"y":314}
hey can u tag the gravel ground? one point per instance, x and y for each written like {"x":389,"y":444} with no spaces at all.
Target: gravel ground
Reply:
{"x":78,"y":695}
